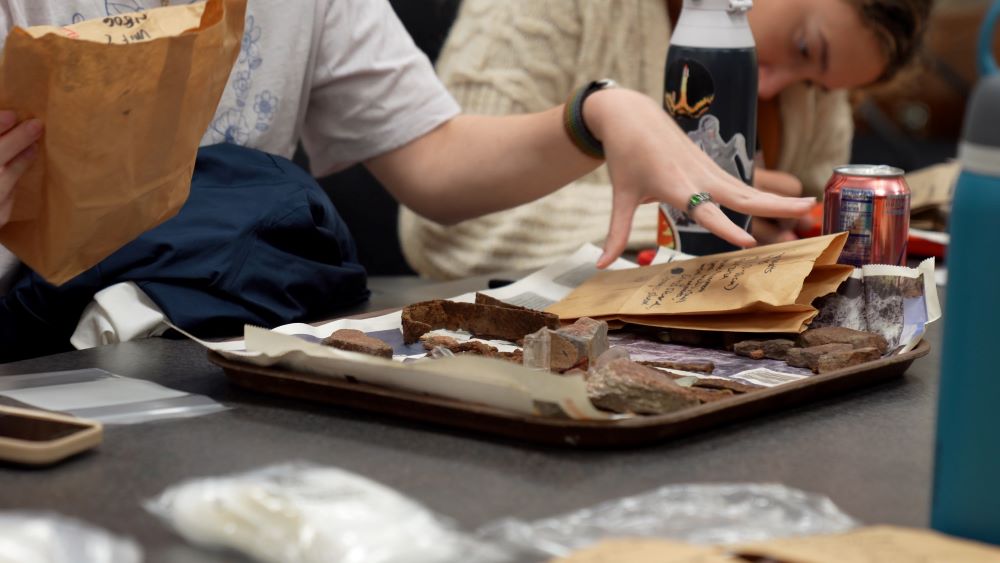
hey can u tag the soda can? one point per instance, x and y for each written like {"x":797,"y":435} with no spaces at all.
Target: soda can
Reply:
{"x":871,"y":203}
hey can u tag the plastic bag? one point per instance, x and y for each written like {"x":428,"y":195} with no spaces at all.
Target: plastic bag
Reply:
{"x":50,"y":538}
{"x":699,"y":513}
{"x":299,"y":513}
{"x":99,"y":395}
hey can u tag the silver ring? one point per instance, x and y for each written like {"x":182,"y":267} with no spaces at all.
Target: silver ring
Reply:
{"x":698,"y":199}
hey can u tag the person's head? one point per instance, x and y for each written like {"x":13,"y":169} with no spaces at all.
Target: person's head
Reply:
{"x":834,"y":43}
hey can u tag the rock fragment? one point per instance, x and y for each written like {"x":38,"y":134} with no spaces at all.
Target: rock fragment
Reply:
{"x":490,"y":322}
{"x":809,"y":357}
{"x":575,"y":346}
{"x":846,"y":358}
{"x":840,"y":335}
{"x":624,"y":386}
{"x":775,"y":349}
{"x":357,"y":341}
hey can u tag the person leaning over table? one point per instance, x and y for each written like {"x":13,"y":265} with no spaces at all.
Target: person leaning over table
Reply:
{"x":345,"y":78}
{"x":521,"y":56}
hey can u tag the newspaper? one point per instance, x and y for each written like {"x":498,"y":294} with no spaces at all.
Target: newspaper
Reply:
{"x":893,"y":301}
{"x":481,"y":380}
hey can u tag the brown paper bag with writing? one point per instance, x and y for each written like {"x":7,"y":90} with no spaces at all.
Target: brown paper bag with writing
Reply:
{"x":764,"y":289}
{"x":125,"y":101}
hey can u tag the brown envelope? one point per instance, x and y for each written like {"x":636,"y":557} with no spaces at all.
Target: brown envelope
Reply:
{"x":875,"y":543}
{"x":125,"y":101}
{"x":882,"y":544}
{"x":764,"y":289}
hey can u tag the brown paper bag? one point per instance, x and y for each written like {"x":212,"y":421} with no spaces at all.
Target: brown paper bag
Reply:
{"x":882,"y":544}
{"x":125,"y":101}
{"x":873,"y":543}
{"x":765,"y":289}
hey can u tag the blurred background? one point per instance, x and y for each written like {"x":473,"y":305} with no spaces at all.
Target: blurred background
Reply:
{"x":916,"y":120}
{"x":912,"y":122}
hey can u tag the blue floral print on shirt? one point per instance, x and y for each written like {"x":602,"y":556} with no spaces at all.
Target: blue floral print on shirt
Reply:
{"x":231,"y":124}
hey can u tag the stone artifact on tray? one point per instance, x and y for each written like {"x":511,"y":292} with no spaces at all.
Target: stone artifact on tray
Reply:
{"x":574,"y":346}
{"x":488,"y":319}
{"x":697,"y":366}
{"x":618,"y":384}
{"x":841,"y":335}
{"x":433,"y":342}
{"x":623,"y":386}
{"x":822,"y":350}
{"x":775,"y":349}
{"x":809,"y":357}
{"x":357,"y":341}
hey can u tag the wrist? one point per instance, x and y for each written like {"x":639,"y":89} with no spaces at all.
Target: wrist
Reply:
{"x":613,"y":107}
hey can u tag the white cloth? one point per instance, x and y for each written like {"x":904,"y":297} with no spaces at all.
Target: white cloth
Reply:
{"x":342,"y":75}
{"x":118,"y":313}
{"x":9,"y":267}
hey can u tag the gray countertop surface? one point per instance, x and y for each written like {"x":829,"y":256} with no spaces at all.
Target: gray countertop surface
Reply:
{"x":870,"y":451}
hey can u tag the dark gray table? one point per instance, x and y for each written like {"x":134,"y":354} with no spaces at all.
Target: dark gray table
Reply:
{"x":870,"y":451}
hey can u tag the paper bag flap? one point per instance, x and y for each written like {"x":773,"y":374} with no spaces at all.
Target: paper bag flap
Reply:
{"x":124,"y":29}
{"x":721,"y":283}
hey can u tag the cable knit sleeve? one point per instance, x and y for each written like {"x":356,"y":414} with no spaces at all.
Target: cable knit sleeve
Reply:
{"x":817,"y":131}
{"x":521,"y":56}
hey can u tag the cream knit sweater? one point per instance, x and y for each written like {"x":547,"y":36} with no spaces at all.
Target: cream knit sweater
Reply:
{"x":520,"y":56}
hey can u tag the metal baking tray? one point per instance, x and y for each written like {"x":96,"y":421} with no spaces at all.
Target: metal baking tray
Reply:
{"x":630,"y":432}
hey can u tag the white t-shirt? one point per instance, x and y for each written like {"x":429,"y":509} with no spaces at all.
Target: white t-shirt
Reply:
{"x":343,"y":76}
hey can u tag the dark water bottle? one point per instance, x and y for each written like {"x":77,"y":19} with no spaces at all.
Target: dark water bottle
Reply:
{"x":710,"y":89}
{"x":967,"y":460}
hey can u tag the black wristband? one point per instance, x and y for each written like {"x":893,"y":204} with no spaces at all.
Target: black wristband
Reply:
{"x":574,"y":123}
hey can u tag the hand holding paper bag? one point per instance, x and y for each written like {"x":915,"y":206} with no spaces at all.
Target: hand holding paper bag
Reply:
{"x":763,"y":289}
{"x":125,"y":101}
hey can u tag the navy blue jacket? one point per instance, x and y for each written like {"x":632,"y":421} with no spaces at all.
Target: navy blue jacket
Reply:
{"x":256,"y":242}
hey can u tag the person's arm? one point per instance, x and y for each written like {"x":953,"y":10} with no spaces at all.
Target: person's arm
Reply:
{"x":473,"y":165}
{"x":17,"y":151}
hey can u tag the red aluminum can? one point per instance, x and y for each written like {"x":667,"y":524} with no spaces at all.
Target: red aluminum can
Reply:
{"x":872,"y":203}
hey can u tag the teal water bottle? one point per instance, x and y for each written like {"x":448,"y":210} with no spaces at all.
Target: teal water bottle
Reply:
{"x":967,"y":459}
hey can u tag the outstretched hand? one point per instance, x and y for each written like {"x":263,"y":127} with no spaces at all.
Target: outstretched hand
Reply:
{"x":651,"y":159}
{"x":18,"y":150}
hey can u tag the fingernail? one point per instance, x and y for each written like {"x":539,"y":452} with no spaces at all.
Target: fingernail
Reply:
{"x":7,"y":119}
{"x":34,"y":127}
